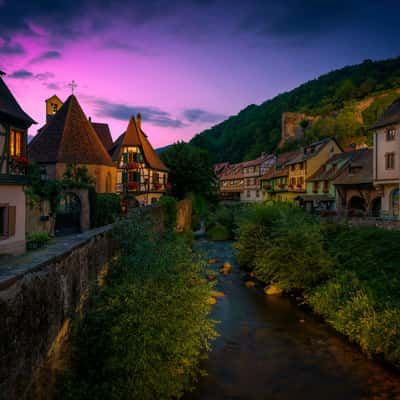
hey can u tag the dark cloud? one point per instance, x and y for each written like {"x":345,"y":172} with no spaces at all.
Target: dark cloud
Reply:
{"x":25,"y":74}
{"x":123,"y":112}
{"x":203,"y":116}
{"x":52,"y":86}
{"x":21,"y":74}
{"x":47,"y":55}
{"x":8,"y":48}
{"x":70,"y":19}
{"x":294,"y":20}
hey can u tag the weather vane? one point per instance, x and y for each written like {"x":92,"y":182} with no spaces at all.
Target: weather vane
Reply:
{"x":72,"y":85}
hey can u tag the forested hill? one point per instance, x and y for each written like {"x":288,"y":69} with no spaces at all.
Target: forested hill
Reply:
{"x":348,"y":100}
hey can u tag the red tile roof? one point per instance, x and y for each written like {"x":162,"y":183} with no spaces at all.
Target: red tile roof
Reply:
{"x":68,"y":138}
{"x":104,"y":134}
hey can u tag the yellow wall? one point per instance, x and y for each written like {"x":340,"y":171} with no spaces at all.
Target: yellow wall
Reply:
{"x":49,"y":105}
{"x":99,"y":172}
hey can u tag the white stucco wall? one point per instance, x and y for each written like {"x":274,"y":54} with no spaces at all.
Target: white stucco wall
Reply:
{"x":14,"y":196}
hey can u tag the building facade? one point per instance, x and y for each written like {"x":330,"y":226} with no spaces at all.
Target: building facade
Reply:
{"x":68,"y":138}
{"x":14,"y":124}
{"x":231,"y":182}
{"x":356,"y":193}
{"x":252,"y":172}
{"x":140,"y":171}
{"x":386,"y":160}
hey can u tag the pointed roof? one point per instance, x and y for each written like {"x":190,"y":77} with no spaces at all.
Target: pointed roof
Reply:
{"x":134,"y":136}
{"x":10,"y":106}
{"x":390,"y":116}
{"x":104,"y":134}
{"x":68,"y":137}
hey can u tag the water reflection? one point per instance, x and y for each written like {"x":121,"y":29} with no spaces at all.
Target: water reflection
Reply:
{"x":271,"y":349}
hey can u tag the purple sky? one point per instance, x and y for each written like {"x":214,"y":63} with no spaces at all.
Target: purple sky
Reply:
{"x":184,"y":64}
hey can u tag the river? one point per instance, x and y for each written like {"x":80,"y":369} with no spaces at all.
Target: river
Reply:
{"x":269,"y":348}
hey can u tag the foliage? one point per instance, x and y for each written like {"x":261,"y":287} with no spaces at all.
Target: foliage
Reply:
{"x":169,"y":205}
{"x":37,"y":239}
{"x":350,"y":275}
{"x":220,"y":223}
{"x":37,"y":188}
{"x":143,"y":334}
{"x":76,"y":176}
{"x":257,"y":128}
{"x":105,"y":208}
{"x":190,"y":170}
{"x":219,"y":232}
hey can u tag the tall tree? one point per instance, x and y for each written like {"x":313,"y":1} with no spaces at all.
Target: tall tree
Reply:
{"x":191,"y":170}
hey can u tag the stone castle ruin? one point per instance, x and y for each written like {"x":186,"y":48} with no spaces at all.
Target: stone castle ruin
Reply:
{"x":293,"y":126}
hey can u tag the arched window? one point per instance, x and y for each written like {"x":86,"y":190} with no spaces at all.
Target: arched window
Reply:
{"x":395,"y":202}
{"x":108,"y":183}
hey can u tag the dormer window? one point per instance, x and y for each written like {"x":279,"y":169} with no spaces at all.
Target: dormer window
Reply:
{"x":390,"y":134}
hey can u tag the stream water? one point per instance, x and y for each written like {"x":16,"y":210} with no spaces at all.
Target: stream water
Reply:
{"x":269,"y":348}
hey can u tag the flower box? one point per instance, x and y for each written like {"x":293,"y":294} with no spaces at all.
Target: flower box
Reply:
{"x":132,"y":165}
{"x":168,"y":186}
{"x":132,"y":185}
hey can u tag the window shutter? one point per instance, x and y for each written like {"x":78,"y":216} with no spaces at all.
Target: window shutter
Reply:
{"x":137,"y":176}
{"x":12,"y":219}
{"x":125,"y":157}
{"x":124,"y":177}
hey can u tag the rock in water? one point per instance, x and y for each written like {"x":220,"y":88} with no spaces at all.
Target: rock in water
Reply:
{"x":227,"y":266}
{"x":211,"y":301}
{"x":215,"y":293}
{"x":249,"y":284}
{"x":273,"y":290}
{"x":212,"y":261}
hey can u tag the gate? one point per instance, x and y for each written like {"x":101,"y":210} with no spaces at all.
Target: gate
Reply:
{"x":68,"y":215}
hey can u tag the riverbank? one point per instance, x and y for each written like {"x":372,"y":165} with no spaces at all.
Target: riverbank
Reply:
{"x":268,"y":348}
{"x":349,"y":276}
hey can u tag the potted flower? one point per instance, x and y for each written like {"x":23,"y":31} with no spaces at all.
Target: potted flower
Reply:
{"x":132,"y":185}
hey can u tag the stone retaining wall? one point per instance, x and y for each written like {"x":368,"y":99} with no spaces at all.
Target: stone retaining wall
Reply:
{"x":35,"y":304}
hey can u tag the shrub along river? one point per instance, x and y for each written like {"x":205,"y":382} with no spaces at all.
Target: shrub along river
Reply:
{"x":269,"y":348}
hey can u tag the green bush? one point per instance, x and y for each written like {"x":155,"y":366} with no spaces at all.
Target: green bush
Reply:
{"x":219,"y":232}
{"x":37,"y":240}
{"x":143,"y":335}
{"x":105,"y":208}
{"x":351,"y":276}
{"x":169,"y":205}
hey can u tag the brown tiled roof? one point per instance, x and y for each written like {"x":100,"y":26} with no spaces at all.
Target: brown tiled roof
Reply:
{"x":233,"y":171}
{"x":257,"y":161}
{"x":134,"y":136}
{"x":363,"y":161}
{"x":390,"y":116}
{"x":327,"y":174}
{"x":10,"y":107}
{"x":306,"y":154}
{"x":279,"y":170}
{"x":219,"y":168}
{"x":68,"y":137}
{"x":104,"y":134}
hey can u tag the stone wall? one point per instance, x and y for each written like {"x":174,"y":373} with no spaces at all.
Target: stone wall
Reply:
{"x":36,"y":302}
{"x":291,"y":128}
{"x":39,"y":218}
{"x":184,"y":215}
{"x":40,"y":293}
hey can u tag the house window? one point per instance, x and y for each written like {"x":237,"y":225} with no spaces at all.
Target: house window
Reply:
{"x":248,"y":193}
{"x":300,"y":180}
{"x":16,"y":143}
{"x":293,"y":181}
{"x":257,"y":193}
{"x":326,"y":186}
{"x":293,"y":167}
{"x":54,"y":107}
{"x":301,"y":165}
{"x":389,"y":161}
{"x":315,"y":186}
{"x":390,"y":134}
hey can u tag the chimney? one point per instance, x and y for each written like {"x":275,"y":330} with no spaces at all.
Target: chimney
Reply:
{"x":90,"y":119}
{"x":139,"y":121}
